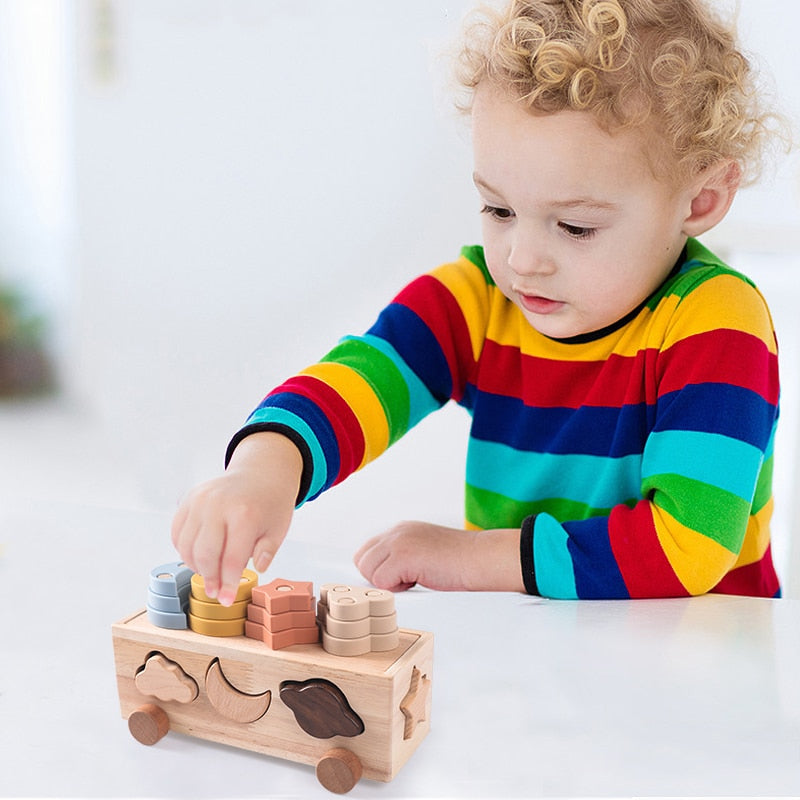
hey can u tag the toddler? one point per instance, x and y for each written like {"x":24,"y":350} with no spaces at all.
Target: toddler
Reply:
{"x":622,"y":381}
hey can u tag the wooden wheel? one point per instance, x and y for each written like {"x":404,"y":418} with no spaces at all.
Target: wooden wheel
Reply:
{"x":148,"y":724}
{"x":339,"y":770}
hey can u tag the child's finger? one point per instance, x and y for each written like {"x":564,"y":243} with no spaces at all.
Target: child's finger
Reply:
{"x":192,"y":532}
{"x":364,"y":549}
{"x":235,"y":556}
{"x":178,"y":524}
{"x":183,"y":536}
{"x":206,"y":555}
{"x":263,"y":553}
{"x":389,"y":575}
{"x":371,"y":557}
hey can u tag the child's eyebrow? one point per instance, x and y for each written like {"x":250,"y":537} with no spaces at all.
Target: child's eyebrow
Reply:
{"x":481,"y":184}
{"x":586,"y":203}
{"x":582,"y":203}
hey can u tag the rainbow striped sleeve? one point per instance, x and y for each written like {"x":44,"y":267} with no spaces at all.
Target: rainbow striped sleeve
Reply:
{"x":370,"y":390}
{"x":636,"y":462}
{"x":708,"y":404}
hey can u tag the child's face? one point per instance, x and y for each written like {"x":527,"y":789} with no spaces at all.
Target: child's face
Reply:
{"x":577,"y":230}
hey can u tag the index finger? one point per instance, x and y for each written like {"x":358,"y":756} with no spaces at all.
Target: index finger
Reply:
{"x":233,"y":568}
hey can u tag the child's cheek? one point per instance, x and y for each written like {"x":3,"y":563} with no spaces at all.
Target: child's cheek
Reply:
{"x":494,"y":263}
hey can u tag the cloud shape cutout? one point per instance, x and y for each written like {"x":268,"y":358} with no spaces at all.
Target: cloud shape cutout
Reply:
{"x":166,"y":680}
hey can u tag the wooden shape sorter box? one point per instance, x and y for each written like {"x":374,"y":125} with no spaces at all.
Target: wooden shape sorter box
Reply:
{"x":347,"y":716}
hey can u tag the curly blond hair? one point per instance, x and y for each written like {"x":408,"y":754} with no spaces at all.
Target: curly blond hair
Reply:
{"x":668,"y":63}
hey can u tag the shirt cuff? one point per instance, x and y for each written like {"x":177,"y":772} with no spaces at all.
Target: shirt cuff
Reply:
{"x":289,"y":433}
{"x":526,"y":555}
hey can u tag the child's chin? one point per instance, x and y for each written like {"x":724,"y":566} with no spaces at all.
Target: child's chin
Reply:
{"x":554,"y":328}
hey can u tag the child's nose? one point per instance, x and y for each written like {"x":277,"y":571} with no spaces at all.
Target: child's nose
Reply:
{"x":528,"y":256}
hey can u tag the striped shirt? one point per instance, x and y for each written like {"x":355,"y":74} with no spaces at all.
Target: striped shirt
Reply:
{"x":636,"y":461}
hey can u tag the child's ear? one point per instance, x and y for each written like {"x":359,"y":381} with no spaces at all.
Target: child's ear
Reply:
{"x":711,"y":197}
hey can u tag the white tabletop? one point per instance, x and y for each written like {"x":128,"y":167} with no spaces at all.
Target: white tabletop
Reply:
{"x":531,"y":697}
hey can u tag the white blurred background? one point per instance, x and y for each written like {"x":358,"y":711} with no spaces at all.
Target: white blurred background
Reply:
{"x":201,"y":196}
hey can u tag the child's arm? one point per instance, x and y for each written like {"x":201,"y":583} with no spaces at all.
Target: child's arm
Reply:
{"x":442,"y":558}
{"x":370,"y":390}
{"x":243,"y":513}
{"x":324,"y":424}
{"x":702,"y":519}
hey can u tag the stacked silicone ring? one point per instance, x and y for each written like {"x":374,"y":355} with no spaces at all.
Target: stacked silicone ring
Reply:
{"x":210,"y":617}
{"x":168,"y":595}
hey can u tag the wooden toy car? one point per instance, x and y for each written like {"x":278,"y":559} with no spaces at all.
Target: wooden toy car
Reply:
{"x":347,"y":715}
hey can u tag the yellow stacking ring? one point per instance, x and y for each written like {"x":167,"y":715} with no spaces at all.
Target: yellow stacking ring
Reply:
{"x":216,"y":627}
{"x":205,"y":610}
{"x":247,"y":583}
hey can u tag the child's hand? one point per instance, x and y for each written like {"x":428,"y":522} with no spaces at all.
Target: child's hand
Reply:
{"x":442,"y":558}
{"x":242,"y":514}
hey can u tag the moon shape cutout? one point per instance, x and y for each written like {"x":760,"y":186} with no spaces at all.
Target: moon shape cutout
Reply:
{"x":230,"y":701}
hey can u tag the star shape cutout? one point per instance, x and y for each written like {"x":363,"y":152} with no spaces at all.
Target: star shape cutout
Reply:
{"x":414,"y":704}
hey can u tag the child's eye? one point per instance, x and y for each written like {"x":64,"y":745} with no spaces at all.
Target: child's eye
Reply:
{"x":497,"y":212}
{"x":577,"y":231}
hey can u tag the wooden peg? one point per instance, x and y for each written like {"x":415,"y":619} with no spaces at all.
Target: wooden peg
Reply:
{"x":339,"y":770}
{"x":148,"y":724}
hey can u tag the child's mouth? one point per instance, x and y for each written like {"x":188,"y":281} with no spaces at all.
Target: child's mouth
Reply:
{"x":539,"y":305}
